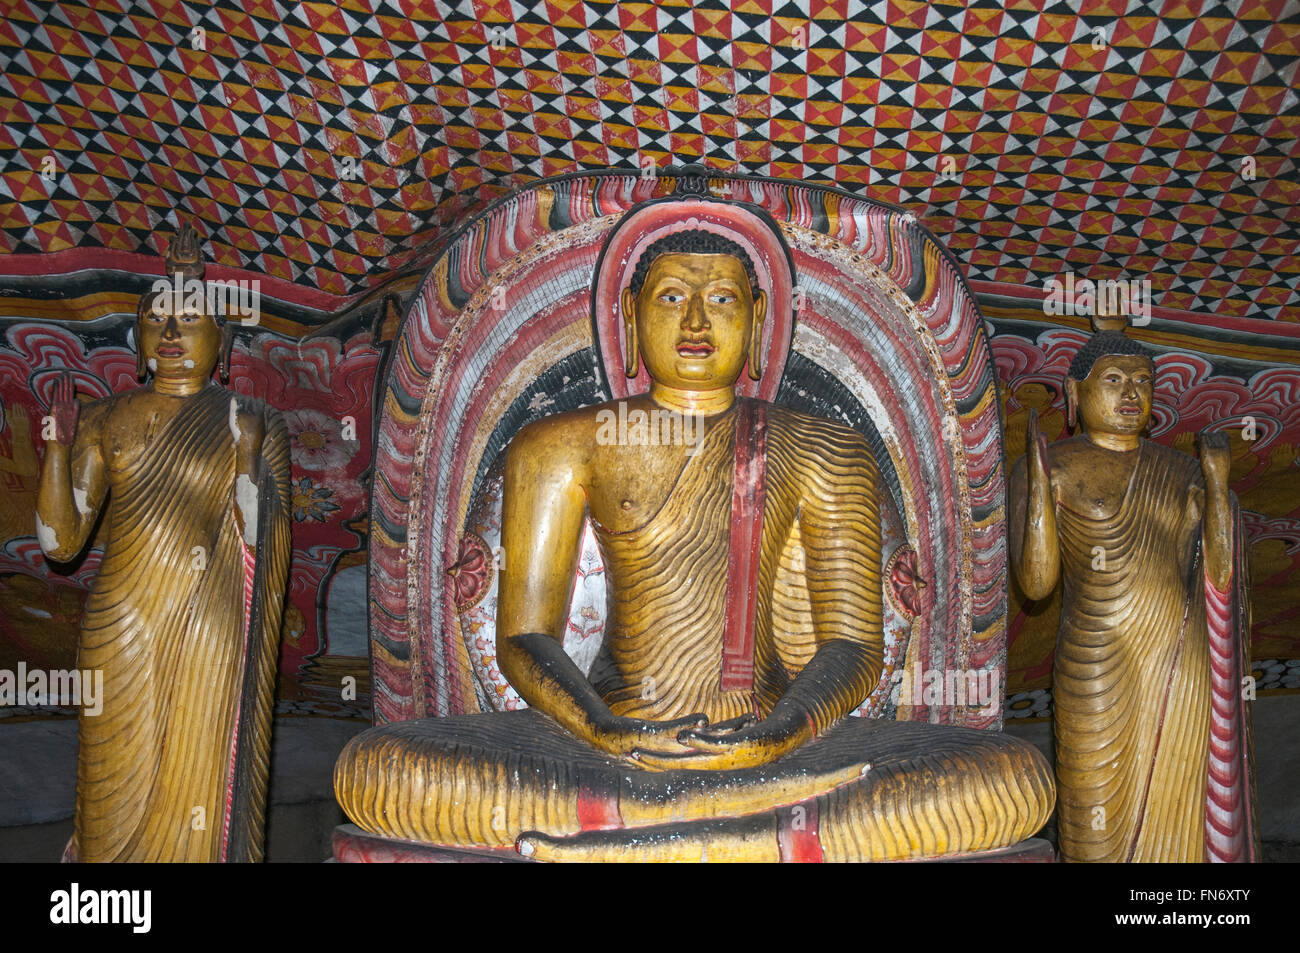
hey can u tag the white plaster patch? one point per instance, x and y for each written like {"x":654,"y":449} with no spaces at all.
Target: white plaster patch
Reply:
{"x":187,"y":364}
{"x":83,"y":504}
{"x":46,"y":536}
{"x":153,"y":365}
{"x":246,"y":497}
{"x":234,"y":419}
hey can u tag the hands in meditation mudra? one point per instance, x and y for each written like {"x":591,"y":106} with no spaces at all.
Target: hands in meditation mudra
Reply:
{"x":744,"y":625}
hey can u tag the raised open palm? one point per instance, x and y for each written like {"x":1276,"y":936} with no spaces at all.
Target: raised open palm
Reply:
{"x":65,"y":409}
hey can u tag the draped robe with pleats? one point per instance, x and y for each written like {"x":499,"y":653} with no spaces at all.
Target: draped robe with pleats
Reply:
{"x":670,"y":574}
{"x":174,"y":767}
{"x":1133,"y":683}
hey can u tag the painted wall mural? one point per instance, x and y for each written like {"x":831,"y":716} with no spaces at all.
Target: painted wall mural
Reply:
{"x":331,"y":145}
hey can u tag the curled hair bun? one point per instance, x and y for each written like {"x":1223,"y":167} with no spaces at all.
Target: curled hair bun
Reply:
{"x":1105,"y":344}
{"x":692,"y":242}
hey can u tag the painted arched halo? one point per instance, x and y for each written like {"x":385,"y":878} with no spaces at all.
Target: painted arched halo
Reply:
{"x":749,"y":227}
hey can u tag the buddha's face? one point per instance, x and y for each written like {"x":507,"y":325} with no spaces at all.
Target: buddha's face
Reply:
{"x":179,"y":346}
{"x":1116,"y":397}
{"x":1034,"y":395}
{"x":695,"y":317}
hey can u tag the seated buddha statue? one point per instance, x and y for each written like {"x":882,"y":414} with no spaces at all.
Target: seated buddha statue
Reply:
{"x":183,"y":617}
{"x":744,"y":625}
{"x":1150,"y":724}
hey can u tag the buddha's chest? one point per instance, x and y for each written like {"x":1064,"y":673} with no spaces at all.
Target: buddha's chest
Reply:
{"x":632,"y":486}
{"x":142,"y":440}
{"x":1092,"y":499}
{"x":1121,"y":511}
{"x":1094,"y":486}
{"x":133,"y":430}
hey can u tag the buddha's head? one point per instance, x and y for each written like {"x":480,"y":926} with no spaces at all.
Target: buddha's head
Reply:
{"x":178,"y":340}
{"x":694,"y":312}
{"x":1035,"y":395}
{"x":1110,"y":386}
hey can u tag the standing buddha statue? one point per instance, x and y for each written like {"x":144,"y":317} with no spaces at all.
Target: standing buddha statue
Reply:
{"x":1151,"y":733}
{"x":183,"y":617}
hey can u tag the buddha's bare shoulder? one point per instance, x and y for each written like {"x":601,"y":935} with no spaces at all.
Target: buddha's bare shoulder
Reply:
{"x":129,"y":407}
{"x":1067,"y":460}
{"x":120,"y":409}
{"x":1070,"y":453}
{"x":563,"y":438}
{"x":96,"y":411}
{"x":572,"y":424}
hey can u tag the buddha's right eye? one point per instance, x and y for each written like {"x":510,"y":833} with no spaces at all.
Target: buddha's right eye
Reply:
{"x":672,"y":297}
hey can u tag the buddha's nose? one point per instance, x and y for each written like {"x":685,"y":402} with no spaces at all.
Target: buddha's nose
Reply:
{"x":695,"y":320}
{"x":171,"y":329}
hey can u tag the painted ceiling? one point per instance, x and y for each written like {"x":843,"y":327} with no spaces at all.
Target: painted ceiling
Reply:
{"x":333,"y":146}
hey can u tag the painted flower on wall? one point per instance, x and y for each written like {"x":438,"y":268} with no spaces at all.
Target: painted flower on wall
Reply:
{"x":472,"y":572}
{"x":311,"y":501}
{"x":316,"y":440}
{"x":906,"y":582}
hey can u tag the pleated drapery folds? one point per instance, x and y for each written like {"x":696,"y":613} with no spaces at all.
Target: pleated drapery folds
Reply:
{"x":1133,"y":677}
{"x":186,"y":633}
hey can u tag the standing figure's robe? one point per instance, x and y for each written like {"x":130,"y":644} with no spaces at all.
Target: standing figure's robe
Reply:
{"x":183,"y":620}
{"x":1143,"y":673}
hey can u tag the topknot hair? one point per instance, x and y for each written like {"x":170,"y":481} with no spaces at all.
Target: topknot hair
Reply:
{"x":1104,"y":344}
{"x":692,"y":242}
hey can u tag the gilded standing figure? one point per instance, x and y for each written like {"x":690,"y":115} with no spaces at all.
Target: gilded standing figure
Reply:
{"x":1152,"y":748}
{"x":183,"y":617}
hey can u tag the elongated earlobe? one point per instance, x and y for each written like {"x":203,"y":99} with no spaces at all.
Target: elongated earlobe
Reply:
{"x":227,"y":344}
{"x":756,"y":338}
{"x":1071,"y":404}
{"x":631,"y":361}
{"x":140,"y":367}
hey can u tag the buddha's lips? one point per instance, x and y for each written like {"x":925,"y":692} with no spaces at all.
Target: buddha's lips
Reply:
{"x":170,"y":350}
{"x":1131,"y":411}
{"x":695,"y":349}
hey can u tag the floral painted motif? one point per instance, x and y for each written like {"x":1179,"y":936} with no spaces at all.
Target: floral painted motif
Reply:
{"x":316,"y":440}
{"x":471,"y":573}
{"x":905,"y":582}
{"x":312,"y":501}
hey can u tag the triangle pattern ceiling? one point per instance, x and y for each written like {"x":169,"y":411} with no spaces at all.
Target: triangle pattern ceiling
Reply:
{"x":334,"y":145}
